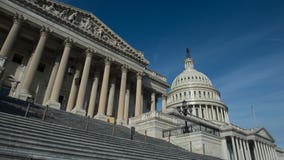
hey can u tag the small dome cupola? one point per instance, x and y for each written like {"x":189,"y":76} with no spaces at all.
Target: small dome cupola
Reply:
{"x":188,"y":62}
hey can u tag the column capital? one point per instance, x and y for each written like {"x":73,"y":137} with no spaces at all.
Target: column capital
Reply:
{"x":140,"y":75}
{"x":18,"y":18}
{"x":68,"y":41}
{"x":89,"y":52}
{"x":44,"y":31}
{"x":124,"y":68}
{"x":108,"y":60}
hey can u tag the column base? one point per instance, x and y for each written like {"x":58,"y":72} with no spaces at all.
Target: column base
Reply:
{"x":24,"y":95}
{"x":121,"y":122}
{"x":78,"y":111}
{"x":53,"y":104}
{"x":101,"y":117}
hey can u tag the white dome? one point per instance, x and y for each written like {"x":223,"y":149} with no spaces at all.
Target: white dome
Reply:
{"x":199,"y":93}
{"x":191,"y":77}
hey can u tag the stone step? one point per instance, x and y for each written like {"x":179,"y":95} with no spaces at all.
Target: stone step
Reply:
{"x":10,"y":124}
{"x":84,"y":146}
{"x":15,"y":106}
{"x":40,"y":124}
{"x":60,"y":133}
{"x":46,"y":152}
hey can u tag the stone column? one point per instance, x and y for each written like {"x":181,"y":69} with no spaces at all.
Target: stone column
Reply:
{"x":138,"y":94}
{"x":273,"y":153}
{"x":51,"y":81}
{"x":238,"y":147}
{"x":32,"y":67}
{"x":10,"y":39}
{"x":127,"y":100}
{"x":121,"y":102}
{"x":206,"y":112}
{"x":234,"y":147}
{"x":153,"y":101}
{"x":194,"y":110}
{"x":242,"y":149}
{"x":262,"y":151}
{"x":73,"y":91}
{"x":111,"y":97}
{"x":83,"y":85}
{"x":103,"y":94}
{"x":199,"y":111}
{"x":255,"y":150}
{"x":226,"y":116}
{"x":93,"y":95}
{"x":267,"y":152}
{"x":164,"y":103}
{"x":259,"y":154}
{"x":142,"y":102}
{"x":214,"y":112}
{"x":53,"y":100}
{"x":248,"y":150}
{"x":222,"y":115}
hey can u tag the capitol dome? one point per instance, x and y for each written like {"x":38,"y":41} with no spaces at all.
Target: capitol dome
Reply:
{"x":199,"y":93}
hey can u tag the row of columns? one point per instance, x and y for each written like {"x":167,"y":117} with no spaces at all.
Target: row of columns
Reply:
{"x":210,"y":112}
{"x":263,"y":151}
{"x":76,"y":100}
{"x":241,"y":149}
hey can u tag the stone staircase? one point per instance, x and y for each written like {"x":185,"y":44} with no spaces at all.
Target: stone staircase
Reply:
{"x":32,"y":138}
{"x":18,"y":107}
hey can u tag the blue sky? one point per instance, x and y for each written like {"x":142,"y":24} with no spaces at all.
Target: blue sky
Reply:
{"x":238,"y":44}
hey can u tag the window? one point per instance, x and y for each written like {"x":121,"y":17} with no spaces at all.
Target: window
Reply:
{"x":18,"y":58}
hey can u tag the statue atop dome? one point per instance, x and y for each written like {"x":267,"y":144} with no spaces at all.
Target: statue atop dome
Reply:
{"x":187,"y":53}
{"x":188,"y":62}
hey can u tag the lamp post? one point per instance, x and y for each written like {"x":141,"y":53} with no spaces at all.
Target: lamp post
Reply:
{"x":185,"y":110}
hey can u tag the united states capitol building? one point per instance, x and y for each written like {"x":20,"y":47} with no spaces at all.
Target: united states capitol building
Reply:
{"x":65,"y":58}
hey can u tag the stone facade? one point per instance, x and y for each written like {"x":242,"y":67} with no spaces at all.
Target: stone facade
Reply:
{"x":66,"y":58}
{"x":209,"y":129}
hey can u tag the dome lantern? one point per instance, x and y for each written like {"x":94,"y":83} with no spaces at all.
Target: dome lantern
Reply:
{"x":188,"y":62}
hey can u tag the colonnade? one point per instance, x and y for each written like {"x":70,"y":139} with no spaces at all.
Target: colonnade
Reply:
{"x":77,"y":95}
{"x":210,"y":112}
{"x":264,"y":151}
{"x":243,"y":149}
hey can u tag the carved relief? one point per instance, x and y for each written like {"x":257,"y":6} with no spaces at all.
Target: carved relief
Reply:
{"x":87,"y":23}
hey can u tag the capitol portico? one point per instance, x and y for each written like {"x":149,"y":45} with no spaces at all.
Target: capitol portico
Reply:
{"x":80,"y":66}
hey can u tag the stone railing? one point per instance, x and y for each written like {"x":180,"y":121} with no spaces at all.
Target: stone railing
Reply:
{"x":84,"y":22}
{"x":150,"y":115}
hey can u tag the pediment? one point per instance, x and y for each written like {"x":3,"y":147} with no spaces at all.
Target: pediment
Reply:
{"x":262,"y":132}
{"x":84,"y":22}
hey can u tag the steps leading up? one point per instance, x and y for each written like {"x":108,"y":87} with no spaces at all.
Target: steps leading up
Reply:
{"x":32,"y":138}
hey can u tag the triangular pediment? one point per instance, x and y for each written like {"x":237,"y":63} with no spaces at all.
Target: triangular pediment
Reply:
{"x":85,"y":23}
{"x":262,"y":132}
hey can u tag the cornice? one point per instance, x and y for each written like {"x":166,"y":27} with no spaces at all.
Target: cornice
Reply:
{"x":84,"y":22}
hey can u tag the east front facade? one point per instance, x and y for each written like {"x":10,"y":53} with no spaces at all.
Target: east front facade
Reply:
{"x":65,"y":58}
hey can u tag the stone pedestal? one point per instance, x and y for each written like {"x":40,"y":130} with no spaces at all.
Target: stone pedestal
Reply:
{"x":79,"y":111}
{"x":53,"y":104}
{"x":101,"y":117}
